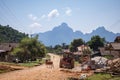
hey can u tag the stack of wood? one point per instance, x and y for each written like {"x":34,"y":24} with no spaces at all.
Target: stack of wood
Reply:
{"x":115,"y":66}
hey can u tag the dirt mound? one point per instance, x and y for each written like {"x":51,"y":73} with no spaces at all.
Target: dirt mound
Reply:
{"x":6,"y":68}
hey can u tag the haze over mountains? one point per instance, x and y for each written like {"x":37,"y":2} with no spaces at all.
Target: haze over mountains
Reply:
{"x":64,"y":34}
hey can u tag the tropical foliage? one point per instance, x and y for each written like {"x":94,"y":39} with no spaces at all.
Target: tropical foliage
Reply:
{"x":96,"y":42}
{"x":8,"y":34}
{"x":29,"y":49}
{"x":58,"y":49}
{"x":75,"y":43}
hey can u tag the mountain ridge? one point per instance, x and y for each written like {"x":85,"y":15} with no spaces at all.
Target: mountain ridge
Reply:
{"x":64,"y":34}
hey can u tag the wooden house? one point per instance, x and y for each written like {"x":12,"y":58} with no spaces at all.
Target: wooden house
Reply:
{"x":5,"y":49}
{"x":82,"y":50}
{"x":111,"y":49}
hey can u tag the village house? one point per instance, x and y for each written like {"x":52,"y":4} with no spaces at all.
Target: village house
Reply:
{"x":111,"y":49}
{"x":5,"y":49}
{"x":66,"y":50}
{"x":82,"y":50}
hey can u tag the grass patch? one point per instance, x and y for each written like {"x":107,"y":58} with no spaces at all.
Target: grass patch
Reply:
{"x":27,"y":64}
{"x":2,"y":71}
{"x":97,"y":77}
{"x":103,"y":77}
{"x":100,"y":77}
{"x":108,"y":56}
{"x":5,"y":66}
{"x":8,"y":63}
{"x":32,"y":63}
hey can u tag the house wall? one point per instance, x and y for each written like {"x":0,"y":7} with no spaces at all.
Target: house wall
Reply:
{"x":2,"y":56}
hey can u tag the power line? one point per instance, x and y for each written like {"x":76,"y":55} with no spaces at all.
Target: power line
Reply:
{"x":3,"y":17}
{"x":116,"y":23}
{"x":14,"y":18}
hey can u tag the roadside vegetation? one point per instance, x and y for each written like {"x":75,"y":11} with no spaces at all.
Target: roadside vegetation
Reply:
{"x":37,"y":62}
{"x":102,"y":77}
{"x":32,"y":63}
{"x":28,"y":53}
{"x":6,"y":66}
{"x":97,"y":77}
{"x":29,"y":49}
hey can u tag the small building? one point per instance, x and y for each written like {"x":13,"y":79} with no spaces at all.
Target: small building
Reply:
{"x":66,"y":50}
{"x":115,"y":46}
{"x":5,"y":49}
{"x":82,"y":50}
{"x":111,"y":49}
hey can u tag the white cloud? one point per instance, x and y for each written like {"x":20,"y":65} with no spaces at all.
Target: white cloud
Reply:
{"x":53,"y":13}
{"x":43,"y":16}
{"x":32,"y":17}
{"x":35,"y":25}
{"x":68,"y":11}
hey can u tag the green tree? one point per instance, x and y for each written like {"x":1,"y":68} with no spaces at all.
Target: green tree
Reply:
{"x":58,"y":49}
{"x":49,"y":49}
{"x":57,"y":46}
{"x":75,"y":43}
{"x":96,"y":42}
{"x":65,"y":46}
{"x":29,"y":48}
{"x":8,"y":34}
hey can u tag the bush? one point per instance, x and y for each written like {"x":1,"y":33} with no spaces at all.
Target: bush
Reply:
{"x":29,"y":49}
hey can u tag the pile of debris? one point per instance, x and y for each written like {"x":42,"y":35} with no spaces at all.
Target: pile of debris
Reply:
{"x":114,"y":66}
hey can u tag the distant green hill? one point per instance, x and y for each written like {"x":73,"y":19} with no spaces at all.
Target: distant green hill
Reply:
{"x":8,"y":34}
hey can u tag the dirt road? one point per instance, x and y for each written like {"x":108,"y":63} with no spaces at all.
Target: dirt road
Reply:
{"x":38,"y":73}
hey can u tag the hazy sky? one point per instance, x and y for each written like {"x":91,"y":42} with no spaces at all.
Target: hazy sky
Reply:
{"x":33,"y":16}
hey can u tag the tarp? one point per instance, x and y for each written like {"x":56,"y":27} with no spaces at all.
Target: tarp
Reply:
{"x":100,"y":60}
